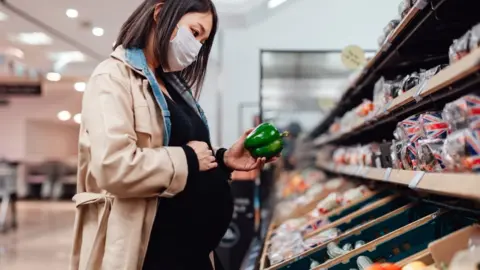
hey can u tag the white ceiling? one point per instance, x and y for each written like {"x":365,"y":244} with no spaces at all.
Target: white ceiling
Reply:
{"x":108,"y":14}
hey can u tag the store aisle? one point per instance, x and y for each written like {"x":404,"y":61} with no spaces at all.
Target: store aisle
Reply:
{"x":43,"y":239}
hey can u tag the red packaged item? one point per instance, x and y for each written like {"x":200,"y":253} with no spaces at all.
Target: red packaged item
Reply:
{"x":461,"y":151}
{"x":433,"y":125}
{"x":410,"y":129}
{"x":461,"y":113}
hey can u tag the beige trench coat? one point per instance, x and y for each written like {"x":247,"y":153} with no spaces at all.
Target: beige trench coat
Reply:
{"x":123,"y":168}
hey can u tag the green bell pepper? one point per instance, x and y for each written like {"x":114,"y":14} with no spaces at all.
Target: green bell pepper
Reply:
{"x":265,"y":141}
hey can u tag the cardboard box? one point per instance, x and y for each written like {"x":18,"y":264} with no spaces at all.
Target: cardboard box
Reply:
{"x":444,"y":249}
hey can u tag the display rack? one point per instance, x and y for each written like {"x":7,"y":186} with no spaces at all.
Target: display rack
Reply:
{"x":449,"y":83}
{"x":420,"y":41}
{"x":461,"y":185}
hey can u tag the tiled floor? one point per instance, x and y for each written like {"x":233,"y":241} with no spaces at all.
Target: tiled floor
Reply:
{"x":42,"y":240}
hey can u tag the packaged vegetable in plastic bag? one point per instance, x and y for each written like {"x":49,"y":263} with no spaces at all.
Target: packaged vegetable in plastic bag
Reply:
{"x":460,"y":47}
{"x":461,"y":151}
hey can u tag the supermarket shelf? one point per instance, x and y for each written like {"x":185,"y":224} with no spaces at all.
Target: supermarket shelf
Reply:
{"x":381,"y":54}
{"x":465,"y":185}
{"x":421,"y":40}
{"x":439,"y":86}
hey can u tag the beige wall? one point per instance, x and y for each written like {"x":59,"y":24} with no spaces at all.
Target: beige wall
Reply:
{"x":50,"y":140}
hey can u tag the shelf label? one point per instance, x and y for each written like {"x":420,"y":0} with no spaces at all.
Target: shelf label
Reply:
{"x":421,"y":86}
{"x":386,"y":176}
{"x":365,"y":171}
{"x":416,"y":180}
{"x":359,"y":170}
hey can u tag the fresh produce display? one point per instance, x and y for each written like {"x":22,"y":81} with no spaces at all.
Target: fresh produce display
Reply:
{"x":465,"y":44}
{"x":433,"y":141}
{"x":265,"y":141}
{"x":384,"y":92}
{"x":288,"y":238}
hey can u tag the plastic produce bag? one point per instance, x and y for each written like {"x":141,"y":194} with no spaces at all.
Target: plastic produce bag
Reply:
{"x":433,"y":125}
{"x":410,"y":128}
{"x":409,"y":156}
{"x":461,"y":151}
{"x":475,"y":38}
{"x":461,"y":113}
{"x":332,"y":201}
{"x":396,"y":154}
{"x":430,"y":157}
{"x":460,"y":47}
{"x":322,"y":237}
{"x":334,"y":251}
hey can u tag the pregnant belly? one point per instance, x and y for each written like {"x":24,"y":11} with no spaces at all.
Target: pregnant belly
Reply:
{"x":197,"y":218}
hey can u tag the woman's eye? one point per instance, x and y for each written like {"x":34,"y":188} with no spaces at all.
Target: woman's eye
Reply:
{"x":195,"y":33}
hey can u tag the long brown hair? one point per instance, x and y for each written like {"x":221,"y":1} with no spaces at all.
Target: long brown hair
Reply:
{"x":136,"y":31}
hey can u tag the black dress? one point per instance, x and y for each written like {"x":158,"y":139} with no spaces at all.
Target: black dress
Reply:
{"x":190,"y":225}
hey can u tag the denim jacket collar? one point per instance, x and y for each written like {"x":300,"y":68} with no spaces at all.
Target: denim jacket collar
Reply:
{"x":136,"y":60}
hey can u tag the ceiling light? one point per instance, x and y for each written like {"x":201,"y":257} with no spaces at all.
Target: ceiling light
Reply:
{"x":77,"y":118}
{"x":80,"y":86}
{"x":61,"y":59}
{"x":64,"y":115}
{"x":53,"y":76}
{"x":35,"y":38}
{"x":275,"y":3}
{"x":3,"y":16}
{"x":97,"y":31}
{"x":15,"y":52}
{"x":71,"y":13}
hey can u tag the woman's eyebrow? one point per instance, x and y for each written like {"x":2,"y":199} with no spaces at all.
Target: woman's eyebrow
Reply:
{"x":201,"y":27}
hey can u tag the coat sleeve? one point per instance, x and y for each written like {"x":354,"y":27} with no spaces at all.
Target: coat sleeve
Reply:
{"x":119,"y":166}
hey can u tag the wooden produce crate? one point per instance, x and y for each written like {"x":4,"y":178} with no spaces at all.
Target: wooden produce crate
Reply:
{"x":367,"y":232}
{"x":363,"y":215}
{"x":404,"y":242}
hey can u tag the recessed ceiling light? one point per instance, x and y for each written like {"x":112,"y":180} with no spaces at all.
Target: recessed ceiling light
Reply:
{"x":3,"y":16}
{"x":80,"y":86}
{"x":72,"y":13}
{"x":64,"y":115}
{"x":34,"y":38}
{"x":77,"y":118}
{"x":275,"y":3}
{"x":53,"y":76}
{"x":97,"y":31}
{"x":15,"y":52}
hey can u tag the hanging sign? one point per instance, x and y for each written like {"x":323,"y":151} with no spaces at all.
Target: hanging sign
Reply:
{"x":353,"y":57}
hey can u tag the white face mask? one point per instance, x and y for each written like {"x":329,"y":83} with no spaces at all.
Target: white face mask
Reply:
{"x":183,"y":50}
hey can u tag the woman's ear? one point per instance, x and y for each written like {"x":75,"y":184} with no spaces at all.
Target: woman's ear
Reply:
{"x":156,"y":11}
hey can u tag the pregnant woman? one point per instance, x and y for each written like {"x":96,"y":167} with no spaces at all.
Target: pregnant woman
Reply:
{"x":152,"y":192}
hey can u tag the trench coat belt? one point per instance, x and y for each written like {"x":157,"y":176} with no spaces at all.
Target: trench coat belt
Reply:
{"x":86,"y":198}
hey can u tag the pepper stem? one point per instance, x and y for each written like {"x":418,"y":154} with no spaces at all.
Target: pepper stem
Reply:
{"x":285,"y":134}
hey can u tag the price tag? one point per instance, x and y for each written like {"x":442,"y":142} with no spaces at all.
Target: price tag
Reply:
{"x":416,"y":180}
{"x":386,"y":176}
{"x":359,"y":170}
{"x":421,"y":86}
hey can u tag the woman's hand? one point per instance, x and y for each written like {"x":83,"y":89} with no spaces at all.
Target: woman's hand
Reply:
{"x":206,"y":160}
{"x":238,"y":158}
